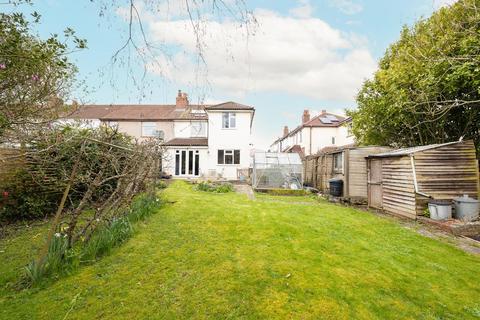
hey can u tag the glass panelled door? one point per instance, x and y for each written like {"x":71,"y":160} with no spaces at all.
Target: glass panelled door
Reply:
{"x":187,"y":163}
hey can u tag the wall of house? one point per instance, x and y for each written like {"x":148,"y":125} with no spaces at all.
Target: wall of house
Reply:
{"x":134,"y":128}
{"x":321,"y":138}
{"x":183,"y":129}
{"x":228,"y":139}
{"x":344,"y":136}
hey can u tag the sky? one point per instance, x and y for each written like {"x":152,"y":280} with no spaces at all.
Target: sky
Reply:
{"x":301,"y":54}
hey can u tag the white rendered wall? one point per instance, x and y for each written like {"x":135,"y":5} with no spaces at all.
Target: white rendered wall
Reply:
{"x":238,"y":138}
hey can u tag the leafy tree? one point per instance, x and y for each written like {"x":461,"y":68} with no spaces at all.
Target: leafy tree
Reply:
{"x":35,"y":74}
{"x":427,"y":88}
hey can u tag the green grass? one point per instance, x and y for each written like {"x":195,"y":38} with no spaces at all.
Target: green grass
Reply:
{"x":223,"y":256}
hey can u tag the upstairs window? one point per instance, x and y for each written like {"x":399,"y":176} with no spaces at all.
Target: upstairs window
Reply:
{"x":229,"y":120}
{"x":149,"y":129}
{"x":333,"y":140}
{"x":228,"y":156}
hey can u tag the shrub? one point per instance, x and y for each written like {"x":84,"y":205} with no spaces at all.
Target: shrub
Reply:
{"x":216,"y":188}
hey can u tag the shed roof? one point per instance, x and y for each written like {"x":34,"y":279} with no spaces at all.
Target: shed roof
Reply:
{"x":411,"y":150}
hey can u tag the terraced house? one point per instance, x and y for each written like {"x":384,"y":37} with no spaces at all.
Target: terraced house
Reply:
{"x":211,"y":141}
{"x":313,"y":134}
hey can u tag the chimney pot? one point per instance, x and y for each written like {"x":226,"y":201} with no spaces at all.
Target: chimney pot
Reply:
{"x":324,"y":111}
{"x":305,"y":116}
{"x":285,"y":131}
{"x":182,"y":100}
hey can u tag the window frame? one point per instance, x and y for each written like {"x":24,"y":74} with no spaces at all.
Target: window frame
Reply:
{"x":230,"y":116}
{"x":336,"y":168}
{"x":222,"y":155}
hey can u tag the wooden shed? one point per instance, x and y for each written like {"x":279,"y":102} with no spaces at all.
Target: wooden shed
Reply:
{"x":402,"y":181}
{"x":347,"y":163}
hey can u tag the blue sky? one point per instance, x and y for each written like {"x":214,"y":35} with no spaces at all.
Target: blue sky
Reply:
{"x":305,"y":54}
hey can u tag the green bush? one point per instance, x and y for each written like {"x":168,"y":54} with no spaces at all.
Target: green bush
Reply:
{"x":25,"y":200}
{"x":161,"y":184}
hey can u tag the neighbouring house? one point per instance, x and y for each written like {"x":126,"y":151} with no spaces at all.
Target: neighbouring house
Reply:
{"x":314,"y":134}
{"x":211,"y":141}
{"x":346,"y":163}
{"x":401,"y":182}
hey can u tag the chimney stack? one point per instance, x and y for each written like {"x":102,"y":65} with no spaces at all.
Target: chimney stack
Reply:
{"x":285,"y":131}
{"x":182,"y":100}
{"x":305,"y":116}
{"x":324,"y":111}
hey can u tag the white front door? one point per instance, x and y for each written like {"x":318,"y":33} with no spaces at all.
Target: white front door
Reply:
{"x":187,"y":163}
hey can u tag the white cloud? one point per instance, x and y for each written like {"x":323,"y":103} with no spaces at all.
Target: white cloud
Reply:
{"x":349,"y":7}
{"x":442,"y":3}
{"x":304,"y":10}
{"x":303,"y":56}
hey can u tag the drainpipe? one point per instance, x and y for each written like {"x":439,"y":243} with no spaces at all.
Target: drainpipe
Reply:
{"x":412,"y":161}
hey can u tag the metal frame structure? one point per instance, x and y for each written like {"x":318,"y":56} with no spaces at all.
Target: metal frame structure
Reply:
{"x":277,"y":170}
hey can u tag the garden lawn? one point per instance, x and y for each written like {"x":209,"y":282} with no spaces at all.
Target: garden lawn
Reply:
{"x":223,"y":256}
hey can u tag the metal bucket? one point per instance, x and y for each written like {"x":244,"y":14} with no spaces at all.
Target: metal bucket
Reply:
{"x":466,"y":208}
{"x":440,"y":209}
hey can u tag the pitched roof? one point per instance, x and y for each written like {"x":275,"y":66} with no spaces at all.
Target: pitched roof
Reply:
{"x":324,"y":119}
{"x":139,"y":112}
{"x":89,"y":112}
{"x":230,"y":105}
{"x":412,"y":150}
{"x":295,"y":149}
{"x":187,"y":142}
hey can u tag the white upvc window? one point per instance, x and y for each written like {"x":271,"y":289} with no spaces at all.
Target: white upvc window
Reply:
{"x":149,"y":129}
{"x":333,"y":140}
{"x":229,"y":120}
{"x":198,"y":129}
{"x":228,"y":157}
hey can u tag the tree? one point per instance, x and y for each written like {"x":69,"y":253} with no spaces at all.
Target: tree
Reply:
{"x":427,"y":88}
{"x":35,"y":74}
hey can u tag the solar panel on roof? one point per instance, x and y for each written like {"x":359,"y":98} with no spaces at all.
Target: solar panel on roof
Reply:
{"x":332,"y":118}
{"x":325,"y":120}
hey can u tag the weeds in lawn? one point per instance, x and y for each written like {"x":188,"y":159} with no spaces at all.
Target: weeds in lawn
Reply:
{"x":60,"y":258}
